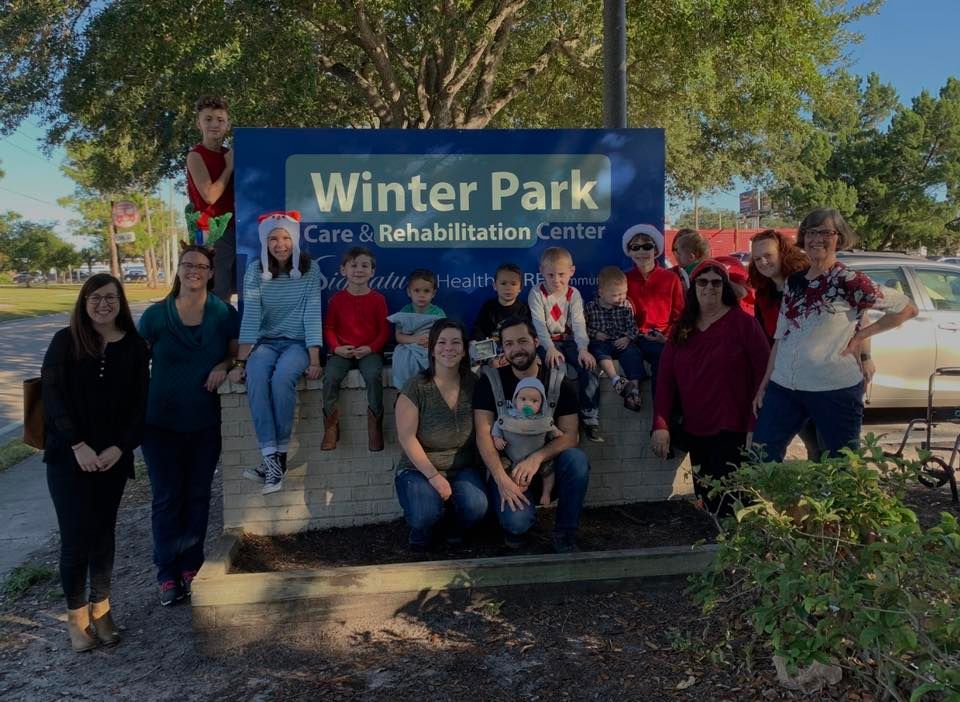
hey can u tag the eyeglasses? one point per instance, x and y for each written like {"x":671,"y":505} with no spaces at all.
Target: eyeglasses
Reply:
{"x":642,"y":247}
{"x":95,"y":300}
{"x":715,"y":282}
{"x":202,"y":267}
{"x":819,"y":233}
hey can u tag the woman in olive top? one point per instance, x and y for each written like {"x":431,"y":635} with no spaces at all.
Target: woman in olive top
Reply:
{"x":94,"y":398}
{"x":439,"y":467}
{"x":193,"y":339}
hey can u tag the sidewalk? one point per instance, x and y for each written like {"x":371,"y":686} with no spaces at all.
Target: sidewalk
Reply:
{"x":26,"y":512}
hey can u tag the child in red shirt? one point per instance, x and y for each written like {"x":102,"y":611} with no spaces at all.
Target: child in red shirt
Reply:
{"x":355,"y":329}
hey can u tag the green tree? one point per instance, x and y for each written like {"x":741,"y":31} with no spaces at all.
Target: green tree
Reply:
{"x":718,"y":76}
{"x":26,"y":245}
{"x":893,"y":170}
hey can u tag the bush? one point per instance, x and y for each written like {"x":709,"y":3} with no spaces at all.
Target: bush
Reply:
{"x":829,"y":565}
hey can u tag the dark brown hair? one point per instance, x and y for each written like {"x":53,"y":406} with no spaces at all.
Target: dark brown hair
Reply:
{"x":212,"y":102}
{"x":274,"y":265}
{"x":86,"y":340}
{"x":439,"y":326}
{"x":186,"y":248}
{"x":508,"y":268}
{"x":691,"y":309}
{"x":845,"y":235}
{"x":424,"y":274}
{"x":357,"y":252}
{"x":792,"y":260}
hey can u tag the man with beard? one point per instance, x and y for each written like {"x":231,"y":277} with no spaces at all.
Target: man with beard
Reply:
{"x":514,"y":494}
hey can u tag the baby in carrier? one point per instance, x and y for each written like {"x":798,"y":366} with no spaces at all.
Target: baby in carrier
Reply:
{"x":523,"y":427}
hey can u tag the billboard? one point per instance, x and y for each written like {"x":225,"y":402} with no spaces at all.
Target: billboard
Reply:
{"x":753,"y":203}
{"x":458,"y":202}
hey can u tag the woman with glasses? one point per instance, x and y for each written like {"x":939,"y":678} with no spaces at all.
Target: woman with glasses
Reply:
{"x":193,"y":339}
{"x":94,"y":397}
{"x":816,"y":370}
{"x":655,"y":293}
{"x":709,"y":373}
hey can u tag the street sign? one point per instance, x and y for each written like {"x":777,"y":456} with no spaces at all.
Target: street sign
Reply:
{"x":125,"y":214}
{"x":125,"y":237}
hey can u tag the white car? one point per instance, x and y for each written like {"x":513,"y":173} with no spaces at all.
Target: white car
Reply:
{"x":906,"y":356}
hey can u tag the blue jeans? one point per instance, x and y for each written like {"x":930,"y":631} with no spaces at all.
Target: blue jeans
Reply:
{"x":838,"y":415}
{"x":651,"y":350}
{"x":423,"y":508}
{"x":572,"y":471}
{"x":181,"y":466}
{"x":630,"y":358}
{"x":273,"y":369}
{"x":587,"y":381}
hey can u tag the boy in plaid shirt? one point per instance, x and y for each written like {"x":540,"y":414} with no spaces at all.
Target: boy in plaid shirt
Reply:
{"x":612,"y":329}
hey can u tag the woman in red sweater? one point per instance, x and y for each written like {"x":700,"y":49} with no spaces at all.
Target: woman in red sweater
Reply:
{"x":655,"y":293}
{"x":710,"y":370}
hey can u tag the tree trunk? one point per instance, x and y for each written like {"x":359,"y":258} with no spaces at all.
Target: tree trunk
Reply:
{"x":149,"y":257}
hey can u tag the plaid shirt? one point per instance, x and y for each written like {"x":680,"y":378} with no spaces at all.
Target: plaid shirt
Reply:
{"x":615,"y":322}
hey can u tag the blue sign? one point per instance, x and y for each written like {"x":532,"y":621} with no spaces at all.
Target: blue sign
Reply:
{"x":459,"y":202}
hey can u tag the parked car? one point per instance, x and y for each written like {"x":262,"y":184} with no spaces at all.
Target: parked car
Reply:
{"x":906,"y":356}
{"x":742,"y":256}
{"x":135,"y":275}
{"x":952,"y":260}
{"x":30,"y":278}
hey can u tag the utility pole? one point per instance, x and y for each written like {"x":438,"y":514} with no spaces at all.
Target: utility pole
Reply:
{"x":614,"y":64}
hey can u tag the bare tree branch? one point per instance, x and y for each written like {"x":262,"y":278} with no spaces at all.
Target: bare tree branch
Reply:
{"x":498,"y":15}
{"x":491,"y":63}
{"x":354,"y":78}
{"x":375,"y":46}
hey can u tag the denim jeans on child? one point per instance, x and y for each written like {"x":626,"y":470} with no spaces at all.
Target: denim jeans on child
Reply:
{"x":838,"y":415}
{"x":650,"y":350}
{"x":630,"y":358}
{"x":423,"y":508}
{"x":371,"y":368}
{"x":181,"y":467}
{"x":572,"y":471}
{"x":274,"y":368}
{"x":587,"y":381}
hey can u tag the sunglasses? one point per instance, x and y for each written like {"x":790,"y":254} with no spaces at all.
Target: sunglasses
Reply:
{"x":715,"y":282}
{"x":642,"y":247}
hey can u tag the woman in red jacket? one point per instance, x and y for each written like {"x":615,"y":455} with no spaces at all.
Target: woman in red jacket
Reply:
{"x":714,"y":361}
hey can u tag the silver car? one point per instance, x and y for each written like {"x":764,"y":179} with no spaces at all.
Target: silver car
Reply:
{"x":906,"y":356}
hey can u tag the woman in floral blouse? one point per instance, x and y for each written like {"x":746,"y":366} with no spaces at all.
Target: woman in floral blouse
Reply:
{"x":815,"y":370}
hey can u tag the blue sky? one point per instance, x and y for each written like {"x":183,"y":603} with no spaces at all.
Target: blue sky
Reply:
{"x":910,"y":43}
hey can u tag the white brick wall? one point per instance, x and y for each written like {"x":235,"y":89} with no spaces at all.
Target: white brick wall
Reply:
{"x":352,"y":485}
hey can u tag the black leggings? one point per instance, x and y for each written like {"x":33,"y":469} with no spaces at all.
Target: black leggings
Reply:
{"x":86,"y":505}
{"x":714,"y":456}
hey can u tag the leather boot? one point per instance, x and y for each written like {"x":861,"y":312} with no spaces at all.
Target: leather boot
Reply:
{"x":374,"y":430}
{"x":103,"y":623}
{"x":78,"y":625}
{"x":331,"y":430}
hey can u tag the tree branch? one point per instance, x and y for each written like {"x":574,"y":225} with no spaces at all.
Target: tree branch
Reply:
{"x":491,"y":62}
{"x":375,"y":46}
{"x":356,"y":79}
{"x":500,"y":14}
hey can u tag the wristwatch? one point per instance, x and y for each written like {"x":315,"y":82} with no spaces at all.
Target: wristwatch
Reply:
{"x":864,"y":357}
{"x":239,"y":363}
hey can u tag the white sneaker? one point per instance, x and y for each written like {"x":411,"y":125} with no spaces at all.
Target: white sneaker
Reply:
{"x":273,"y":482}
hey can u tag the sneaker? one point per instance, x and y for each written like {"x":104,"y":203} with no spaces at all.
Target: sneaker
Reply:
{"x":593,"y":433}
{"x":185,"y":579}
{"x":620,"y":387}
{"x":274,"y":478}
{"x":258,"y":474}
{"x":169,"y":593}
{"x":564,"y":542}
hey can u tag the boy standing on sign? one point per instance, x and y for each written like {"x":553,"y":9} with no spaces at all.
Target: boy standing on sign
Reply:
{"x":210,"y":186}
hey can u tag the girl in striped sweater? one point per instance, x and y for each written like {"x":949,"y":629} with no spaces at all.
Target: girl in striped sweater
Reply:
{"x":280,"y":339}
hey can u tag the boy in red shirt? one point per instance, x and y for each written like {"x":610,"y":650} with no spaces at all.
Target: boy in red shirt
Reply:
{"x":210,"y":186}
{"x":355,"y":329}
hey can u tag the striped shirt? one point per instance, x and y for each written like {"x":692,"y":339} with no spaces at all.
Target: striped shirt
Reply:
{"x":287,"y":308}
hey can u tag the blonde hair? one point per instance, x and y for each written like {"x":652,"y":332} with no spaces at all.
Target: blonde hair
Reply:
{"x":610,"y":275}
{"x":554,"y":255}
{"x":692,"y":241}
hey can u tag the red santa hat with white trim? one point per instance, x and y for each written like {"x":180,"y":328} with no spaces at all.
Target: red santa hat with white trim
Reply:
{"x":289,"y":222}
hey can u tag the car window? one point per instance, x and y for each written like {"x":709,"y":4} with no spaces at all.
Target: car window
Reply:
{"x":943,"y":287}
{"x":890,"y":277}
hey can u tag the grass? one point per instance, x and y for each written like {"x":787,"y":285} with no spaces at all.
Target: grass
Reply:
{"x":14,"y":451}
{"x":19,"y":302}
{"x":25,"y":576}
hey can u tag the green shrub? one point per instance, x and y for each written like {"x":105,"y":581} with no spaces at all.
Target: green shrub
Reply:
{"x":828,"y":564}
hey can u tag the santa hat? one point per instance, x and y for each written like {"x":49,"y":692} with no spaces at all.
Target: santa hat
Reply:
{"x":735,"y":269}
{"x":529,"y":383}
{"x":646,"y":230}
{"x":289,"y":222}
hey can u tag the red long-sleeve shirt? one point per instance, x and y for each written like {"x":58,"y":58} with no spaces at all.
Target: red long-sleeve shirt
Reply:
{"x":657,"y":299}
{"x":714,"y":376}
{"x":356,"y":320}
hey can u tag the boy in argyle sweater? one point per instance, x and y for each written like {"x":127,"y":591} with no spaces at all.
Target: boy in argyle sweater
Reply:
{"x":557,"y":311}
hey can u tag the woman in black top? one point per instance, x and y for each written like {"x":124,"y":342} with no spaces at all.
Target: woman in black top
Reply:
{"x":95,"y":376}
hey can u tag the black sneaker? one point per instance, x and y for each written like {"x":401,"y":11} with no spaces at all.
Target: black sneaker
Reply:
{"x":169,"y":593}
{"x":186,"y":578}
{"x":274,"y":478}
{"x":593,"y":433}
{"x":564,"y":542}
{"x":258,"y":474}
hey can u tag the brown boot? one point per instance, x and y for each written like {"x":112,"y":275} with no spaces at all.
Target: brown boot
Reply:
{"x":331,"y":430}
{"x":78,"y":625}
{"x":374,"y":430}
{"x":103,"y":623}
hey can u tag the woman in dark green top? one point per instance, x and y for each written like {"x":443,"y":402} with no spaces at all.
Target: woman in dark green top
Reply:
{"x":439,"y":468}
{"x":193,"y":340}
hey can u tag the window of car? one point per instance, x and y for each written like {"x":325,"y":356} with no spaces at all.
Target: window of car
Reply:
{"x":890,"y":277}
{"x":942,"y":286}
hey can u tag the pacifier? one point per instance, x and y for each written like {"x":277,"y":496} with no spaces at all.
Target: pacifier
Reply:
{"x":528,"y":411}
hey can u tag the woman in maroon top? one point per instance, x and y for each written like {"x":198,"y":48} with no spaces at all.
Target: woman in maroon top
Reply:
{"x":710,"y":370}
